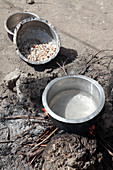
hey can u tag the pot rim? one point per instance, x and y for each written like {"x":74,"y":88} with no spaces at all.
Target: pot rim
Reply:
{"x":5,"y":22}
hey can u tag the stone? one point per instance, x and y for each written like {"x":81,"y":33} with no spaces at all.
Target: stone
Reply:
{"x":19,"y":93}
{"x":71,"y":151}
{"x":30,"y":1}
{"x":11,"y":78}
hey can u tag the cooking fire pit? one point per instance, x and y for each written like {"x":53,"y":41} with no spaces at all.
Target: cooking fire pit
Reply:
{"x":73,"y":102}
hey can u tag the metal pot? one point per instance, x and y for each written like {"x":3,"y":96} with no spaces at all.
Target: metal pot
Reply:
{"x":73,"y":102}
{"x":31,"y":29}
{"x":13,"y":20}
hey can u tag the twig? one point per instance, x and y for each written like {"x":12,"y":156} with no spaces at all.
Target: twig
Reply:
{"x":33,"y":159}
{"x":45,"y":3}
{"x":42,"y":136}
{"x":109,"y":63}
{"x":22,"y":117}
{"x":33,"y":149}
{"x":43,"y":145}
{"x":94,"y":56}
{"x":41,"y":121}
{"x":63,"y":67}
{"x":37,"y":140}
{"x":31,"y":154}
{"x":101,"y":52}
{"x":4,"y":128}
{"x":6,"y":141}
{"x":111,"y":153}
{"x":35,"y":154}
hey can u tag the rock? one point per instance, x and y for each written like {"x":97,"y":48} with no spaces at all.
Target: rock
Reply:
{"x":19,"y":93}
{"x":30,"y":1}
{"x":11,"y":78}
{"x":71,"y":151}
{"x":4,"y":103}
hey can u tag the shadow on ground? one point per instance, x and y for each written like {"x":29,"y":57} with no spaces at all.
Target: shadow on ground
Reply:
{"x":65,"y":57}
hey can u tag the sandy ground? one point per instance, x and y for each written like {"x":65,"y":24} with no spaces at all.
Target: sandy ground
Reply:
{"x":84,"y":26}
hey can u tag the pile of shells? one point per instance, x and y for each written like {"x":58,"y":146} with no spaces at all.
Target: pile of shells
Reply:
{"x":35,"y":50}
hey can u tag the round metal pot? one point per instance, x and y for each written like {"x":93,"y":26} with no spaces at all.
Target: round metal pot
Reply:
{"x":31,"y":29}
{"x":73,"y":102}
{"x":13,"y":20}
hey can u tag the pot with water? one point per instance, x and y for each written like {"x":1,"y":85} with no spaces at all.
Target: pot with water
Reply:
{"x":73,"y":102}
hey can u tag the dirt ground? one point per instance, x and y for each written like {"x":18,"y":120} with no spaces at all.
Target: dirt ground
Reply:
{"x":85,"y":28}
